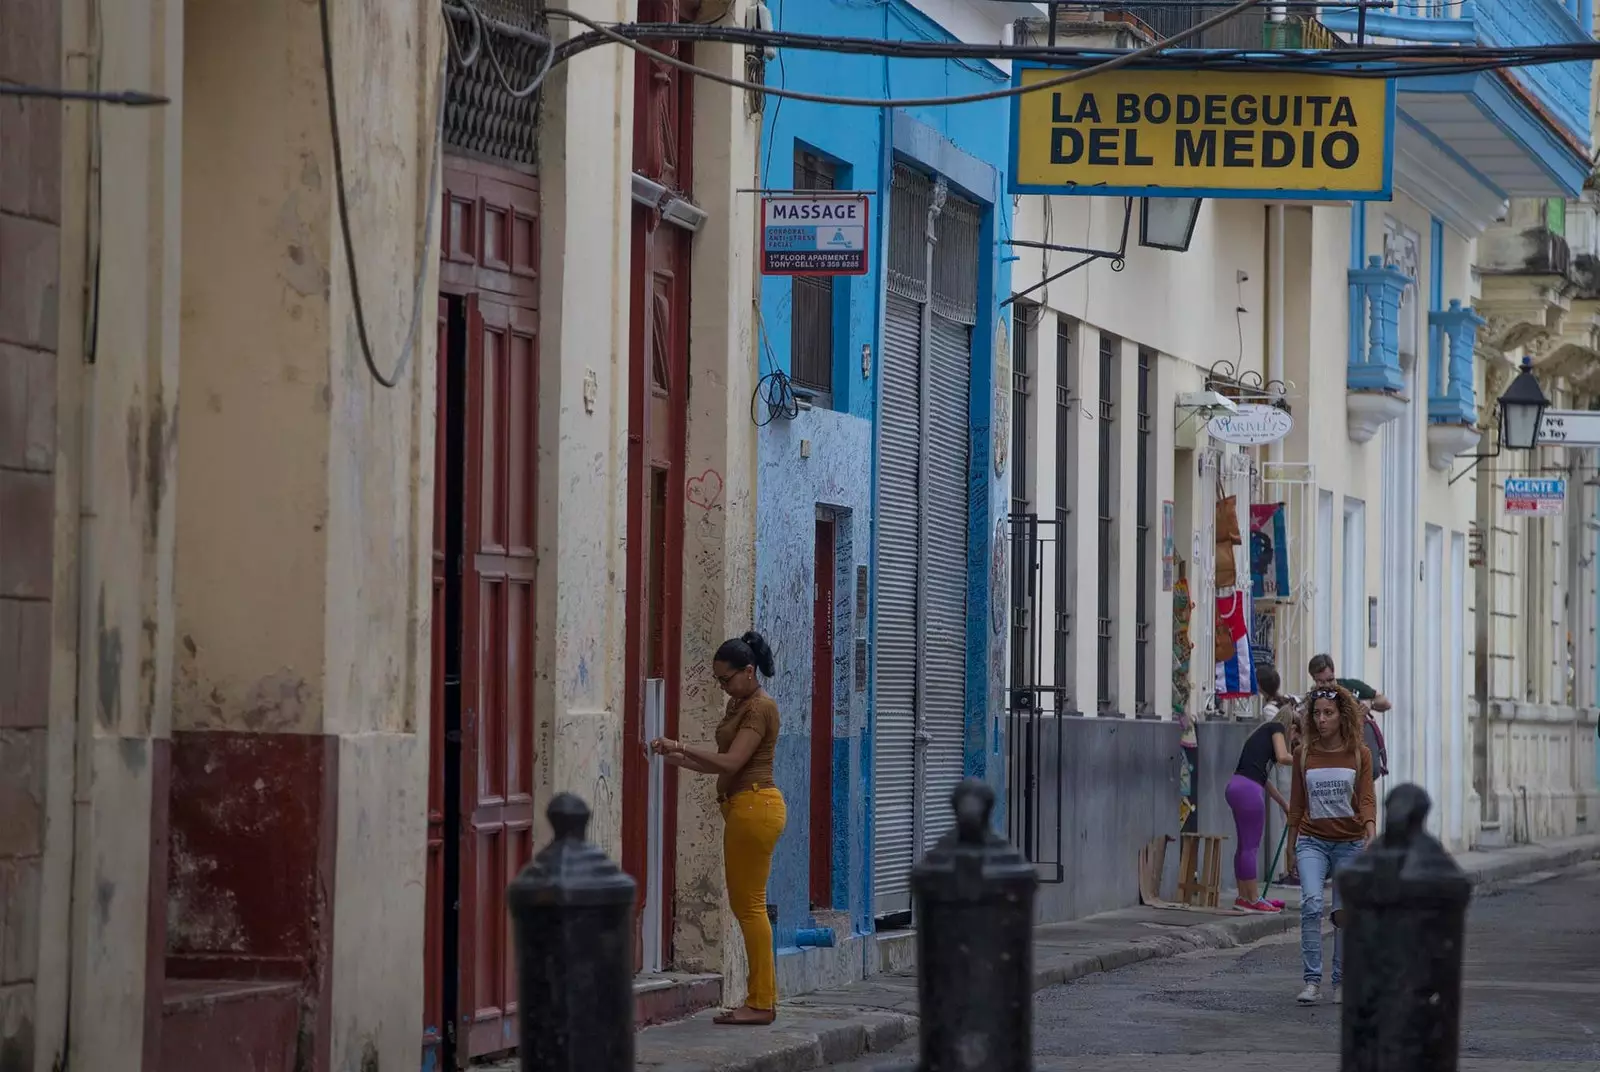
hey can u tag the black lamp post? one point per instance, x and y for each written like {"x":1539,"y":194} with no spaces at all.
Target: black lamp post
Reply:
{"x":1522,"y":410}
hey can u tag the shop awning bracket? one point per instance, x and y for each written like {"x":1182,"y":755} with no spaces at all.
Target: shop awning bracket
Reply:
{"x":1118,"y":257}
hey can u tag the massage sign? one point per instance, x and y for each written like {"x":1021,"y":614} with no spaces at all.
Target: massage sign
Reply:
{"x":1204,"y":134}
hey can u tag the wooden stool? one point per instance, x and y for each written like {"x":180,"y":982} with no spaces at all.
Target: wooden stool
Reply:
{"x":1203,"y":890}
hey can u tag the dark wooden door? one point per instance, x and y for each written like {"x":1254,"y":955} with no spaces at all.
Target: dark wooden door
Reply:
{"x":657,"y":483}
{"x":822,"y":716}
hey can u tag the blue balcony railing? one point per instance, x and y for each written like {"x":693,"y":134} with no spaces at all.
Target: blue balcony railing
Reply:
{"x":1562,"y":89}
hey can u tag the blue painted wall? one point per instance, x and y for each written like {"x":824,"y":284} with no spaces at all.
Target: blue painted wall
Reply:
{"x":969,"y":144}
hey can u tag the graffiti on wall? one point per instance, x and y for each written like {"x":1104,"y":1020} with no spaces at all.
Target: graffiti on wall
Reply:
{"x":1002,"y":396}
{"x":705,"y":490}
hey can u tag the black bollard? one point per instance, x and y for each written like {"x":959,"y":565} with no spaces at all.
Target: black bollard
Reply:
{"x":1404,"y":918}
{"x":573,"y":912}
{"x":974,"y":897}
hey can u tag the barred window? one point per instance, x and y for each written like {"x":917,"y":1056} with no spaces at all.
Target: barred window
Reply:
{"x":812,"y":308}
{"x":1106,"y":463}
{"x":1142,"y":671}
{"x":1063,"y":630}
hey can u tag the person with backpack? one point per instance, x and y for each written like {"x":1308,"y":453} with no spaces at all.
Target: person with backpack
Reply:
{"x":1323,"y":674}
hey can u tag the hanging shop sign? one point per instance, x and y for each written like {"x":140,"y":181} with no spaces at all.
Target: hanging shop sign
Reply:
{"x":1203,"y":133}
{"x":814,"y":234}
{"x":1535,"y":497}
{"x":1255,"y":424}
{"x":1570,"y":427}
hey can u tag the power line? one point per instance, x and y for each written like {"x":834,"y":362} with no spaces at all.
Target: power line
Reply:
{"x":1115,"y":62}
{"x":1403,"y":61}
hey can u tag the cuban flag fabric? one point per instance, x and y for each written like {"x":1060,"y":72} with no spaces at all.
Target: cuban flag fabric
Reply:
{"x":1236,"y":676}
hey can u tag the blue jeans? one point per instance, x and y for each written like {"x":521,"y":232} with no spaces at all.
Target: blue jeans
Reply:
{"x":1318,"y":859}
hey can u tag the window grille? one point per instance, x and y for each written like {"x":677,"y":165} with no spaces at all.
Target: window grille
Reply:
{"x":1063,"y":622}
{"x":1142,"y":623}
{"x":481,"y":116}
{"x":1105,"y":463}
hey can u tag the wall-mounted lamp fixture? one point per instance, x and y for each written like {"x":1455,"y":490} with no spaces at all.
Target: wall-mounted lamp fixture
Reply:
{"x":1168,"y":222}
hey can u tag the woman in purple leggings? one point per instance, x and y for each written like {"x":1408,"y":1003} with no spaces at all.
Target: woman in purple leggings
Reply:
{"x":1249,"y":788}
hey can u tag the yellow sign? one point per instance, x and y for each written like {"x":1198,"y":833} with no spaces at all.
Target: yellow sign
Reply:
{"x":1199,"y":133}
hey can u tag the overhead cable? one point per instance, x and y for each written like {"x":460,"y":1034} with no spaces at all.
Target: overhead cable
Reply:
{"x":1115,"y":62}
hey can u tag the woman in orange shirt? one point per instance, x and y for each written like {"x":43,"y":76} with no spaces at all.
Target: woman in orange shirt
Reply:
{"x":1333,"y":815}
{"x":753,"y":812}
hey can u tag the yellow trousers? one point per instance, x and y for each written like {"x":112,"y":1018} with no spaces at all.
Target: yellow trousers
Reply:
{"x":752,"y":821}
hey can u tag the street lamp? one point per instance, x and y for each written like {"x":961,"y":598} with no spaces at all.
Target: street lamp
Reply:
{"x":1168,"y":222}
{"x":1522,"y":410}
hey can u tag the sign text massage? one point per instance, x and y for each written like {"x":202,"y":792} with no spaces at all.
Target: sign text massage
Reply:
{"x":1203,"y":133}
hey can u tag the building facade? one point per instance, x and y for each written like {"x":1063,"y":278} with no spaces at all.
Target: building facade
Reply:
{"x":1357,"y":320}
{"x":292,"y":668}
{"x":394,"y":421}
{"x":880,"y":503}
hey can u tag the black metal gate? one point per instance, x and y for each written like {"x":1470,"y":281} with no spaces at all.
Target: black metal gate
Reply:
{"x":1037,"y":695}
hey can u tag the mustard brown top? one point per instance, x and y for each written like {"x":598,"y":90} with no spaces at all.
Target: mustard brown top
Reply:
{"x":1331,"y":796}
{"x":760,"y":713}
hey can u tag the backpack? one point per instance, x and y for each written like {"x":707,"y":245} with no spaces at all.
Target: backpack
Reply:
{"x":1375,"y":745}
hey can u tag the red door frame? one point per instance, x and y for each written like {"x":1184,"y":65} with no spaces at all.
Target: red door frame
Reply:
{"x":822,"y":654}
{"x":663,"y":138}
{"x":489,"y":262}
{"x":433,"y":1014}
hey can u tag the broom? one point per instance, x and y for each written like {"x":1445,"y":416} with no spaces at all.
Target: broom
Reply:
{"x":1272,"y":869}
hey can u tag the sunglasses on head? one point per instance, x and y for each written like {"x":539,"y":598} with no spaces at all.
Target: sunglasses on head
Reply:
{"x":1324,"y":694}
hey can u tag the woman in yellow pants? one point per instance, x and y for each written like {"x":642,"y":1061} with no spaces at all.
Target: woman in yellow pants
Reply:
{"x":753,"y":813}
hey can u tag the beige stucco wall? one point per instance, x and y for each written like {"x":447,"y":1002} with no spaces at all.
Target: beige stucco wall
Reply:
{"x":111,"y":672}
{"x":586,"y":154}
{"x":305,"y":501}
{"x":586,"y":146}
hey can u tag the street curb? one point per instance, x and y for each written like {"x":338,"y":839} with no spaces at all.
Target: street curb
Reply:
{"x":1531,"y":860}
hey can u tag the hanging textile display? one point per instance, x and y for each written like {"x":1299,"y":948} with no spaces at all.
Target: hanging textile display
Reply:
{"x":1188,"y":740}
{"x":1236,"y":675}
{"x":1227,"y":574}
{"x":1269,"y":551}
{"x":1263,"y":635}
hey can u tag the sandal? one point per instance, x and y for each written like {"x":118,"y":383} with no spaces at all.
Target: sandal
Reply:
{"x":745,"y":1016}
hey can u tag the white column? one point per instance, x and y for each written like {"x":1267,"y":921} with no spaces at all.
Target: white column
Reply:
{"x":1084,"y":541}
{"x":1046,"y":472}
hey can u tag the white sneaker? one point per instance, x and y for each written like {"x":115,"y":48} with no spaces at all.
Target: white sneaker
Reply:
{"x":1310,"y":995}
{"x":1338,"y":994}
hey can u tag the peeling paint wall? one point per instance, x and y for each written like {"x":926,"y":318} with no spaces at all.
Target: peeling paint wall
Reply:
{"x":305,"y":512}
{"x":968,"y":144}
{"x":583,"y":429}
{"x":719,"y":553}
{"x":30,"y":217}
{"x":836,"y":478}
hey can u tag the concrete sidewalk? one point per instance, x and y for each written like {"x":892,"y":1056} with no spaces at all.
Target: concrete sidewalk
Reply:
{"x":834,"y":1026}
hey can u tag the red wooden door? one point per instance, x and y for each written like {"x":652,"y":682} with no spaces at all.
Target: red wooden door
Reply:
{"x":497,"y":680}
{"x":657,"y":423}
{"x":481,"y":760}
{"x":433,"y":1014}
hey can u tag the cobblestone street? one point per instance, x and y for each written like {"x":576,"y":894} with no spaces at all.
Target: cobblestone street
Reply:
{"x":1532,"y":980}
